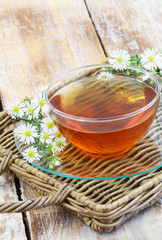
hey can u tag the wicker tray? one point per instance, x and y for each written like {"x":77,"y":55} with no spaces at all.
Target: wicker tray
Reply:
{"x":102,"y":205}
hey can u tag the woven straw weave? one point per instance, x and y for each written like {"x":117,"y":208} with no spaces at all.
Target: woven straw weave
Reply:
{"x":102,"y":205}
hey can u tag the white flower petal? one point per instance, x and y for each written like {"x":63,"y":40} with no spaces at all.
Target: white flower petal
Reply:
{"x":54,"y":148}
{"x":26,"y":133}
{"x":47,"y":138}
{"x":57,"y":162}
{"x":60,"y":143}
{"x":31,"y":154}
{"x":119,"y":59}
{"x":104,"y":76}
{"x":39,"y":103}
{"x":48,"y":125}
{"x":16,"y":110}
{"x":30,"y":111}
{"x":151,"y":59}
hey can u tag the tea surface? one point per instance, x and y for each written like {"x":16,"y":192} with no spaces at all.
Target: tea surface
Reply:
{"x":104,"y":99}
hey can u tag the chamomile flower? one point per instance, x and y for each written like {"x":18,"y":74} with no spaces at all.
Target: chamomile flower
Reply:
{"x":31,"y":154}
{"x":45,"y":137}
{"x":151,"y":59}
{"x":54,"y":148}
{"x":26,"y":133}
{"x":58,"y":134}
{"x":48,"y":125}
{"x":30,"y":111}
{"x":39,"y":103}
{"x":104,"y":76}
{"x":16,"y":110}
{"x":60,"y":144}
{"x":119,"y":59}
{"x":56,"y":161}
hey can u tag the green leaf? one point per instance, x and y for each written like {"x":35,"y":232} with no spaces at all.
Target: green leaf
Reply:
{"x":26,"y":99}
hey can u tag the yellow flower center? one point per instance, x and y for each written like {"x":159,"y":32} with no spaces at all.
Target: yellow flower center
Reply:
{"x":58,"y":143}
{"x":16,"y":109}
{"x":41,"y":102}
{"x":54,"y":149}
{"x":49,"y":124}
{"x":31,"y":154}
{"x":119,"y":59}
{"x":27,"y":133}
{"x":30,"y":111}
{"x":104,"y":76}
{"x":58,"y":134}
{"x":45,"y":136}
{"x":151,"y":58}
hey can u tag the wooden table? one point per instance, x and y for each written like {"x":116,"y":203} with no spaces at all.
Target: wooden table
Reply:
{"x":40,"y":39}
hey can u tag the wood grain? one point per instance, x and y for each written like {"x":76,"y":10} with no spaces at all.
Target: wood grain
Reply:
{"x":39,"y":41}
{"x":146,"y":225}
{"x":127,"y":24}
{"x":11,"y":226}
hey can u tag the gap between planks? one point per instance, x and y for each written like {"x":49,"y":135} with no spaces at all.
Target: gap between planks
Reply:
{"x":1,"y":108}
{"x":24,"y":217}
{"x":16,"y":180}
{"x":102,"y":45}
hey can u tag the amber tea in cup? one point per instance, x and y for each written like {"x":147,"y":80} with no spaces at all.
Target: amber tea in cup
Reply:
{"x":103,"y":116}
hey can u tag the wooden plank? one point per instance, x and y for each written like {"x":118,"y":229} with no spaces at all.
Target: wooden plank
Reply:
{"x":146,"y":225}
{"x":130,"y":25}
{"x":134,"y":26}
{"x":39,"y":41}
{"x":11,"y":225}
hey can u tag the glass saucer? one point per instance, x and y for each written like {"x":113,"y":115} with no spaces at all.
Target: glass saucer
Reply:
{"x":146,"y":156}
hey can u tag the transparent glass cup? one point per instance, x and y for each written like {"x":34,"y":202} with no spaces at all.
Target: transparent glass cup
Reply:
{"x":112,"y":135}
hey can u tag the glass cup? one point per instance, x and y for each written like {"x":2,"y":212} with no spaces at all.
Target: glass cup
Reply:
{"x":103,"y":111}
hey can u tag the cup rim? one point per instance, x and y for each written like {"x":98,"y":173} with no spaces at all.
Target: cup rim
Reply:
{"x":108,"y":119}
